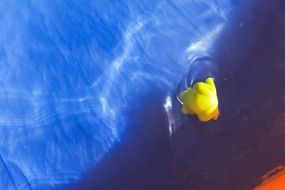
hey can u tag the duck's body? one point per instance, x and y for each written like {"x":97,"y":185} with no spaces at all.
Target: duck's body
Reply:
{"x":201,"y":100}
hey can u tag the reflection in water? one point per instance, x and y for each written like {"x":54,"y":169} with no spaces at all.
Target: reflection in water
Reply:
{"x":70,"y":70}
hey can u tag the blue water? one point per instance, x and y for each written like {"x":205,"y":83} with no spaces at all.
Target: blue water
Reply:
{"x":71,"y":70}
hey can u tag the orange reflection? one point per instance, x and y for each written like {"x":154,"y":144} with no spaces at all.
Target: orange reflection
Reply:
{"x":273,"y":180}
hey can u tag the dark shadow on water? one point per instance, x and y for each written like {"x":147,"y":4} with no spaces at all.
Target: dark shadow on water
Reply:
{"x":246,"y":142}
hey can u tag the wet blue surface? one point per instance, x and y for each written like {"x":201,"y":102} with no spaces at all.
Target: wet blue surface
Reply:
{"x":88,"y":89}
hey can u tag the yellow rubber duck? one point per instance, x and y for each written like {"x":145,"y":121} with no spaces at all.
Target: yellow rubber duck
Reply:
{"x":201,"y":100}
